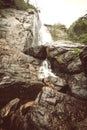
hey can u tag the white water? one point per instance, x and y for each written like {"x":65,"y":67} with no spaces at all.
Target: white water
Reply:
{"x":41,"y":36}
{"x":45,"y":36}
{"x":45,"y":70}
{"x":36,"y":28}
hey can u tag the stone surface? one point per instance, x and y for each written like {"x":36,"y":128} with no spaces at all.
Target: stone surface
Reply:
{"x":19,"y":28}
{"x":18,"y":74}
{"x":37,"y":52}
{"x":83,"y":57}
{"x":56,"y":102}
{"x":78,"y":85}
{"x":54,"y":110}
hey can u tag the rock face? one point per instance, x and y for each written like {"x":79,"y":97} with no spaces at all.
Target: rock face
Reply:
{"x":83,"y":57}
{"x":19,"y":28}
{"x":54,"y":110}
{"x":17,"y":70}
{"x":30,"y":103}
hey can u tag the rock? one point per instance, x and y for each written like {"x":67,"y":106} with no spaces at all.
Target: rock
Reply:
{"x":57,"y":83}
{"x":37,"y":52}
{"x":83,"y":57}
{"x":54,"y":110}
{"x":64,"y":57}
{"x":18,"y":74}
{"x":56,"y":102}
{"x":19,"y":28}
{"x":75,"y":66}
{"x":78,"y":85}
{"x":82,"y":125}
{"x":6,"y":110}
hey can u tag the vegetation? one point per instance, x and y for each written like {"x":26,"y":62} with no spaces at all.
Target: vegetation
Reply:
{"x":78,"y":30}
{"x":76,"y":53}
{"x":18,"y":4}
{"x":58,"y":31}
{"x":59,"y":59}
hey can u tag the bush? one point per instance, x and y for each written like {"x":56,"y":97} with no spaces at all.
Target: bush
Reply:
{"x":18,"y":4}
{"x":78,"y":30}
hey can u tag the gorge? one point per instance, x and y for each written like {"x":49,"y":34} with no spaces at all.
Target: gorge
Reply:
{"x":43,"y":83}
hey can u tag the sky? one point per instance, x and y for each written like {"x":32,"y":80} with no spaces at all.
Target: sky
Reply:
{"x":60,"y":11}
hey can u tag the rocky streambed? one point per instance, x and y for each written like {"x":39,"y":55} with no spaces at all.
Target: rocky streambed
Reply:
{"x":28,"y":102}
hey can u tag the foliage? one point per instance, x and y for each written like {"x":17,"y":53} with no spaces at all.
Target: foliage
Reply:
{"x":76,"y":53}
{"x":78,"y":30}
{"x":59,"y":59}
{"x":18,"y":4}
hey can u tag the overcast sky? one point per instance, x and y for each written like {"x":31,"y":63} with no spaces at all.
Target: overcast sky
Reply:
{"x":60,"y":11}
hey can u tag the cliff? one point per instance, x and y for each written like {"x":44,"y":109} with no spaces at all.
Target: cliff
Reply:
{"x":28,"y":102}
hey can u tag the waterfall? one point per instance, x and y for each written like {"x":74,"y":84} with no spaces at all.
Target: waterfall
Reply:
{"x":41,"y":36}
{"x":45,"y":70}
{"x":45,"y":36}
{"x":36,"y":29}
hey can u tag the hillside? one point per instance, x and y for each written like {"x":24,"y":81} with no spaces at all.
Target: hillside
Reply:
{"x":58,"y":31}
{"x":78,"y":30}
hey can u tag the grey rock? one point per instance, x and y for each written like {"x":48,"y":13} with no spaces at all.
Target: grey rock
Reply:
{"x":78,"y":85}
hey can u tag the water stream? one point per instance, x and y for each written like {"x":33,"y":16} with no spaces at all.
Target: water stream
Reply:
{"x":45,"y":70}
{"x":45,"y":36}
{"x":41,"y":36}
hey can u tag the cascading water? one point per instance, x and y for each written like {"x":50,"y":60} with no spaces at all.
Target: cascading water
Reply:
{"x":41,"y":36}
{"x":36,"y":29}
{"x":45,"y":36}
{"x":45,"y":70}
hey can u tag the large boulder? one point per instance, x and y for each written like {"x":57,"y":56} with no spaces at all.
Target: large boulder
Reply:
{"x":37,"y":52}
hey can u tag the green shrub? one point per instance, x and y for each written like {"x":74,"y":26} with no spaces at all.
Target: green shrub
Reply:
{"x":18,"y":4}
{"x":83,"y":38}
{"x":78,"y":30}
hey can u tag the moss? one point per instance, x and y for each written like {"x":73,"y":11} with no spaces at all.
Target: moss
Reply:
{"x":75,"y":54}
{"x":83,"y":38}
{"x":59,"y":59}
